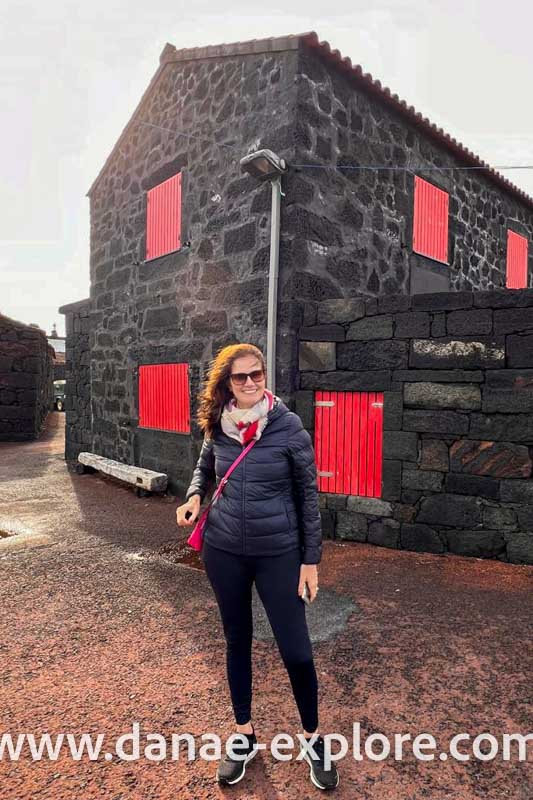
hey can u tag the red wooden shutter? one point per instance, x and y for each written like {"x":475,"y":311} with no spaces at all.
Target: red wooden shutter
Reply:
{"x":517,"y":246}
{"x":163,"y":218}
{"x":349,"y":442}
{"x":430,"y":223}
{"x":164,"y":397}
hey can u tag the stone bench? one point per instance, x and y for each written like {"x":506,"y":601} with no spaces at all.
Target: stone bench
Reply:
{"x":144,"y":480}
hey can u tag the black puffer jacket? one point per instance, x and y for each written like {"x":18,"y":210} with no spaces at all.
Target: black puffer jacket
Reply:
{"x":270,"y":502}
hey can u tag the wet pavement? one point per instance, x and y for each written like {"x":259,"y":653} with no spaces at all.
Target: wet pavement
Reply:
{"x":110,"y":621}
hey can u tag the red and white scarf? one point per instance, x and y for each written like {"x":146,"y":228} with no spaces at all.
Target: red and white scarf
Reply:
{"x":245,"y":424}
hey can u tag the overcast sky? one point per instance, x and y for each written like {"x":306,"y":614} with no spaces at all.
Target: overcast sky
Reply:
{"x":71,"y":75}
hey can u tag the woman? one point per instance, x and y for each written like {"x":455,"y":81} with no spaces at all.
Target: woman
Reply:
{"x":264,"y":527}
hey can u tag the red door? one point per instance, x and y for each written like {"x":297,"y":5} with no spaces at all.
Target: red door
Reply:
{"x":349,"y":442}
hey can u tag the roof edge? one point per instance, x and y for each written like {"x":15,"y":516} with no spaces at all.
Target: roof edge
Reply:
{"x":68,"y":307}
{"x":366,"y":81}
{"x":19,"y":324}
{"x":170,"y":55}
{"x":270,"y":45}
{"x":116,"y":147}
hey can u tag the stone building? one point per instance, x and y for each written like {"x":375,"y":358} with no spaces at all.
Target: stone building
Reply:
{"x":374,"y":205}
{"x":26,"y":374}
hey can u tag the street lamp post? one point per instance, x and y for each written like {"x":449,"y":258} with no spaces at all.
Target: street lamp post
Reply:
{"x":266,"y":165}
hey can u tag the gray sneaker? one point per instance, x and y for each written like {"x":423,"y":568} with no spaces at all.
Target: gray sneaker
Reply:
{"x":231,"y":770}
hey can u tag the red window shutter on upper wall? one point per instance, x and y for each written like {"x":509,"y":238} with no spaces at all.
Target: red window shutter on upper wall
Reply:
{"x":163,"y":218}
{"x":517,"y":247}
{"x":164,"y":401}
{"x":349,"y":442}
{"x":430,"y":223}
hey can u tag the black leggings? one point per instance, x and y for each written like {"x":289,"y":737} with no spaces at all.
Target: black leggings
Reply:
{"x":276,"y":579}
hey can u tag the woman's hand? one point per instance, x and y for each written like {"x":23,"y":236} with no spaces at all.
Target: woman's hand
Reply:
{"x":193,"y":505}
{"x":309,"y":576}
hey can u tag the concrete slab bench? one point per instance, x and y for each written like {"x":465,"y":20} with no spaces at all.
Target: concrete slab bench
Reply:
{"x":144,"y":480}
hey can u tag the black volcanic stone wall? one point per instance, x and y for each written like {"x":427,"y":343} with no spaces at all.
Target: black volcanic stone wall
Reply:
{"x":185,"y":306}
{"x":26,"y":375}
{"x":78,"y":435}
{"x":456,"y":370}
{"x":353,"y":229}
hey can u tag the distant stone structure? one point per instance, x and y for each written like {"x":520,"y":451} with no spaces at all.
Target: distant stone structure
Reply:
{"x":26,"y":374}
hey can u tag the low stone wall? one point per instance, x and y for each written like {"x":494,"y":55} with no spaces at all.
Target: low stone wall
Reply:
{"x":456,"y":370}
{"x":78,"y":434}
{"x":26,"y":374}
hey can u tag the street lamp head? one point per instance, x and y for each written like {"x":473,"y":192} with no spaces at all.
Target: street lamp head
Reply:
{"x":264,"y":165}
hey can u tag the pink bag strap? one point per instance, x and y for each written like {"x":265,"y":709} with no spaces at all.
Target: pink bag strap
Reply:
{"x":237,"y":461}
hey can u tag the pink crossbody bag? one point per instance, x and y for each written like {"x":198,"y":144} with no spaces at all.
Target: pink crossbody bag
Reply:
{"x":197,"y":535}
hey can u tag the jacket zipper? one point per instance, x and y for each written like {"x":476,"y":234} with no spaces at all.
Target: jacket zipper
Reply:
{"x":243,"y":517}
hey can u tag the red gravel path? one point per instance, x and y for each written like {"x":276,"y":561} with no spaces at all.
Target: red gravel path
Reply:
{"x":95,"y":637}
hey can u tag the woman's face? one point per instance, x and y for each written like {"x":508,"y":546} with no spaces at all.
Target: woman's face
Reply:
{"x":249,"y":393}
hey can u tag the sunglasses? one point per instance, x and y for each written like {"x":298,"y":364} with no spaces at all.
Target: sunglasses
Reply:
{"x":239,"y":378}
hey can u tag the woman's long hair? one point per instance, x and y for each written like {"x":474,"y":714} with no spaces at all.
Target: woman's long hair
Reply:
{"x":216,"y":392}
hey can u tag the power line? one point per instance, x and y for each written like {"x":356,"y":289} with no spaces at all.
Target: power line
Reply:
{"x":188,"y":135}
{"x":396,"y":167}
{"x":377,"y":167}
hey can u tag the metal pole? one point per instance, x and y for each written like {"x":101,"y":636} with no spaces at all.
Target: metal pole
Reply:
{"x":273,"y":284}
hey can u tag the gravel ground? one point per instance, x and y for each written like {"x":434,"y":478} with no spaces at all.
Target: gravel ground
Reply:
{"x":106,"y":625}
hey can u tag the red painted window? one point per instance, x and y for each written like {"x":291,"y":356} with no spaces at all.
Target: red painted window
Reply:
{"x":516,"y":277}
{"x":163,"y":218}
{"x":430,"y":223}
{"x":164,"y":401}
{"x":349,"y":442}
